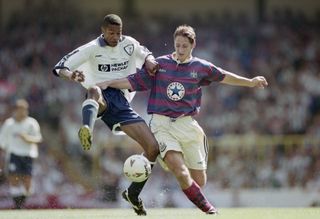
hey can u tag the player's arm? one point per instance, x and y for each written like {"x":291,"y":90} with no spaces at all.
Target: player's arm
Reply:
{"x":151,"y":65}
{"x":142,"y":53}
{"x":76,"y":75}
{"x":237,"y":80}
{"x":66,"y":68}
{"x":34,"y":135}
{"x":30,"y":138}
{"x":122,"y":83}
{"x":139,"y":81}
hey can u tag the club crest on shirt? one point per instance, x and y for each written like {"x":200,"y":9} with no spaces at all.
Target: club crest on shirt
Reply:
{"x":194,"y":74}
{"x":175,"y":91}
{"x":129,"y":49}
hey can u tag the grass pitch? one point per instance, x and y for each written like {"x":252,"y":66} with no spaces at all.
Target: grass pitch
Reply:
{"x":165,"y":213}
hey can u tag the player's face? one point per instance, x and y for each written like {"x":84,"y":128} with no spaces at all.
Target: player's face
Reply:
{"x":20,"y":113}
{"x":112,"y":34}
{"x":183,"y":48}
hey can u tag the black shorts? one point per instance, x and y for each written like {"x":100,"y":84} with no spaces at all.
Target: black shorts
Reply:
{"x":118,"y":109}
{"x":20,"y":165}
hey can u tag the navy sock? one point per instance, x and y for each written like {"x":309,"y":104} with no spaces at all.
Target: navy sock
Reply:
{"x":19,"y":201}
{"x":89,"y":112}
{"x":135,"y":189}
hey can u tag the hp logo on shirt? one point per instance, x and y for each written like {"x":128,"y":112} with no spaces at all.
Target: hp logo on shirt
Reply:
{"x":104,"y":67}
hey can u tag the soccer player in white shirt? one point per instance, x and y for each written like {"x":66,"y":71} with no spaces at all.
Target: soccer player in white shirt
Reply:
{"x":19,"y":137}
{"x":111,"y":56}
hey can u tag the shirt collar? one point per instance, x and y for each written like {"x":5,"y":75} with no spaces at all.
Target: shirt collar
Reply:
{"x":101,"y":41}
{"x":174,"y":57}
{"x":104,"y":43}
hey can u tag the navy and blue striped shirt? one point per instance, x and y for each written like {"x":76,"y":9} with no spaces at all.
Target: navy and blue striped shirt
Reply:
{"x":176,"y":88}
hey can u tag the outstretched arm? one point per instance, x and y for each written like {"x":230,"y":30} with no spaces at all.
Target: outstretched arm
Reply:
{"x":234,"y":79}
{"x":122,"y":83}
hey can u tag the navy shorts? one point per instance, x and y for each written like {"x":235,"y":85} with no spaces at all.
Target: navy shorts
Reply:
{"x":20,"y":165}
{"x":118,"y":109}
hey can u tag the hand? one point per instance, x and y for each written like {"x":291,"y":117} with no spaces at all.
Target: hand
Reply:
{"x":77,"y":76}
{"x":103,"y":85}
{"x":151,"y":65}
{"x":259,"y":82}
{"x":24,"y":137}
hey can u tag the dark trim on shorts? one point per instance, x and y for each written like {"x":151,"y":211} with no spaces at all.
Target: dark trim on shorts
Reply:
{"x":131,"y":121}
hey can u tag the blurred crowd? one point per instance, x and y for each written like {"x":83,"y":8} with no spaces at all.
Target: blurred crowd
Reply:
{"x":285,"y":48}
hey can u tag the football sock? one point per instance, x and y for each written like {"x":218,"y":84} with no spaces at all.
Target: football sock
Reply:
{"x":89,"y":112}
{"x":195,"y":195}
{"x":135,"y":189}
{"x":19,"y":201}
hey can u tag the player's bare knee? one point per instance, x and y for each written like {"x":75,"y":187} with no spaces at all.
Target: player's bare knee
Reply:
{"x":182,"y":174}
{"x":94,"y":92}
{"x":152,"y":150}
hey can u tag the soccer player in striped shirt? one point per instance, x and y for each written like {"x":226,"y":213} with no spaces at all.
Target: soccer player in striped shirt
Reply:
{"x":110,"y":56}
{"x":174,"y":98}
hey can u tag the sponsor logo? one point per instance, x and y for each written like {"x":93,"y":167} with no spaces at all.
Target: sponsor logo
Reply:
{"x":104,"y":67}
{"x":194,"y":74}
{"x":113,"y":67}
{"x":175,"y":91}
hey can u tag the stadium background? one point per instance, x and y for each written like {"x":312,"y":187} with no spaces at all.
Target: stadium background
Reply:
{"x":264,"y":144}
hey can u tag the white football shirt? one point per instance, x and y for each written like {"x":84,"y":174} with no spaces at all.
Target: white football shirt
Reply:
{"x":12,"y":143}
{"x":100,"y":62}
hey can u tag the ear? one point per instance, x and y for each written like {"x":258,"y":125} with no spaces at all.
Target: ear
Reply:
{"x":103,"y":29}
{"x":194,"y":44}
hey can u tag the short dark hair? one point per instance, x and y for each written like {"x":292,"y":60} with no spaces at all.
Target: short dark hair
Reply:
{"x":111,"y":19}
{"x":185,"y":31}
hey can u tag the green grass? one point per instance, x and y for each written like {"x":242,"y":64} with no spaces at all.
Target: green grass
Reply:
{"x":165,"y":213}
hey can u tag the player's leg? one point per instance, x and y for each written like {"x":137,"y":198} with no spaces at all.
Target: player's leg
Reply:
{"x":93,"y":105}
{"x":182,"y":153}
{"x":200,"y":176}
{"x":195,"y":151}
{"x":18,"y":167}
{"x":141,"y":133}
{"x":25,"y":189}
{"x":16,"y":190}
{"x":175,"y":162}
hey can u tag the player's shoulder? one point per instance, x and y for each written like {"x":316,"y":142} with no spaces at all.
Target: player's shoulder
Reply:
{"x":201,"y":61}
{"x":31,"y":120}
{"x":91,"y":45}
{"x":8,"y":121}
{"x":164,"y":58}
{"x":128,"y":39}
